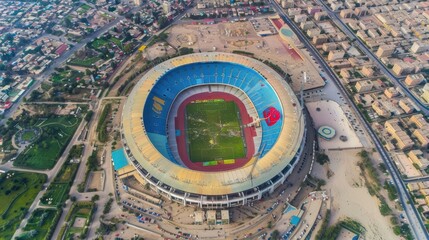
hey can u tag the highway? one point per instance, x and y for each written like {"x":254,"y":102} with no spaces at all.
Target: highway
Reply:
{"x":397,"y":81}
{"x":414,"y":218}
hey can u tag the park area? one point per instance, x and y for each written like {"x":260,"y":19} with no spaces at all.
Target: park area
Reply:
{"x":57,"y":192}
{"x":41,"y":224}
{"x":77,"y":221}
{"x":66,"y":76}
{"x":213,"y":131}
{"x":55,"y":195}
{"x":17,"y":193}
{"x":44,"y":153}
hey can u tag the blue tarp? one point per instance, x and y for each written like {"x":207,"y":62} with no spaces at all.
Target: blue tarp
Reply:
{"x":119,"y":159}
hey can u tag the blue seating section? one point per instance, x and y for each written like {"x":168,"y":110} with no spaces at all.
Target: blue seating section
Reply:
{"x":174,"y":81}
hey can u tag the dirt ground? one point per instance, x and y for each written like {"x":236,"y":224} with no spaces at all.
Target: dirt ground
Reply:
{"x":79,"y":222}
{"x":96,"y":181}
{"x":349,"y":196}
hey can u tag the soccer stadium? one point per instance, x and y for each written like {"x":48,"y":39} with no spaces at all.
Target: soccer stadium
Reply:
{"x":214,"y":130}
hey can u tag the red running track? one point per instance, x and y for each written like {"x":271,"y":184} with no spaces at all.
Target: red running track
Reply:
{"x":249,"y":133}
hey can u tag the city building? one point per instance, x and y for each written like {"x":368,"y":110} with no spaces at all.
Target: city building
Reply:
{"x":361,"y":11}
{"x":166,"y":7}
{"x":416,"y":156}
{"x":419,"y":120}
{"x":403,"y":141}
{"x":380,"y":109}
{"x":401,"y":68}
{"x":414,"y":79}
{"x":346,"y":13}
{"x":391,"y":92}
{"x":319,"y":39}
{"x":406,"y":105}
{"x":335,"y":54}
{"x":422,"y":134}
{"x":329,"y":47}
{"x":385,"y":51}
{"x":368,"y":71}
{"x":364,"y":86}
{"x":419,"y":47}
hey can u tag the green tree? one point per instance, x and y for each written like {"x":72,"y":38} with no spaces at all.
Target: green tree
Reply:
{"x":275,"y":235}
{"x":162,"y":22}
{"x":95,"y":198}
{"x":68,"y":23}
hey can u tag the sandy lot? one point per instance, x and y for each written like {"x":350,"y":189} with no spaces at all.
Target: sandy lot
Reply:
{"x":349,"y":196}
{"x":331,"y":114}
{"x":96,"y":181}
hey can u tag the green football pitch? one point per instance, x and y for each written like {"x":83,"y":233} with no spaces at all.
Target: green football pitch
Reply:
{"x":213,"y":131}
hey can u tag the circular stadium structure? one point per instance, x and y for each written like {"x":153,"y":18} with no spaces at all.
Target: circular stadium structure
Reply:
{"x":214,"y":130}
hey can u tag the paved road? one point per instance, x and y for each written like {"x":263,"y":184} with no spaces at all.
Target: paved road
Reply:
{"x":416,"y":223}
{"x":397,"y":81}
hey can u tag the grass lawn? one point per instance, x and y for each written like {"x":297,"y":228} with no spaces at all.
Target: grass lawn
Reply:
{"x":99,"y":43}
{"x":28,"y":135}
{"x":41,"y":220}
{"x":66,"y":76}
{"x":55,"y":195}
{"x":117,"y":42}
{"x":44,"y":153}
{"x":17,"y":193}
{"x":83,"y":9}
{"x":87,"y":62}
{"x":213,"y":131}
{"x":66,"y":173}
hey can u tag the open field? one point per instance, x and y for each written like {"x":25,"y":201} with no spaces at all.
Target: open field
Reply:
{"x":87,"y":62}
{"x":44,"y":153}
{"x":40,"y":224}
{"x":83,"y":9}
{"x":213,"y":131}
{"x":17,"y":193}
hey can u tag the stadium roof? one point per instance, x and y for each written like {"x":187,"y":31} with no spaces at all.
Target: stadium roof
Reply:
{"x":212,"y":183}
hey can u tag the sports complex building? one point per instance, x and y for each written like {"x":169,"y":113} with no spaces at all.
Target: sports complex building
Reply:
{"x":214,"y":130}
